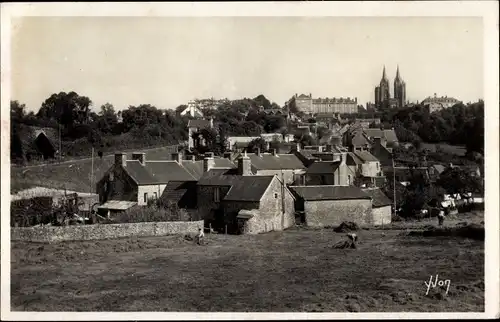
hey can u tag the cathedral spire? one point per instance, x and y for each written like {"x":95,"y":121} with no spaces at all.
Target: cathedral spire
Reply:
{"x":397,"y":73}
{"x":383,"y":74}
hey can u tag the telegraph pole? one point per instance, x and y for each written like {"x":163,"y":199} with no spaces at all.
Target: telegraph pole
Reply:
{"x":92,"y":172}
{"x":394,"y":184}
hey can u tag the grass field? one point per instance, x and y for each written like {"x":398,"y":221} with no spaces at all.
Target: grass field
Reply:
{"x":295,"y":270}
{"x":72,"y":175}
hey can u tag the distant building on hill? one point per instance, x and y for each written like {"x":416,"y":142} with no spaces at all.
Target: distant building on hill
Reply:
{"x":309,"y":105}
{"x":435,"y":104}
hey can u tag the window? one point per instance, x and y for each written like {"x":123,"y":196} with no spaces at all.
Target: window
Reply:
{"x":275,"y":195}
{"x":217,"y":195}
{"x":145,"y":197}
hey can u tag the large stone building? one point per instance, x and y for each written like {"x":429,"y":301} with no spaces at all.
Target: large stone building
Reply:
{"x":436,"y":104}
{"x":310,"y":105}
{"x":383,"y":95}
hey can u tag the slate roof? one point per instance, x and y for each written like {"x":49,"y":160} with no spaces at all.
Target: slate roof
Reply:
{"x":248,"y":188}
{"x":117,"y":205}
{"x":313,"y":193}
{"x":359,"y":139}
{"x":242,"y":188}
{"x":365,"y":156}
{"x":379,"y":199}
{"x":354,"y":158}
{"x":157,"y":172}
{"x":176,"y":191}
{"x":195,"y":168}
{"x":267,"y":161}
{"x":199,"y":123}
{"x":389,"y":135}
{"x":322,"y":167}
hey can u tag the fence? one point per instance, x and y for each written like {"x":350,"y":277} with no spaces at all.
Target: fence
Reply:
{"x":49,"y":234}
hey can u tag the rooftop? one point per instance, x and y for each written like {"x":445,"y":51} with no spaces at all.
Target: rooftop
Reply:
{"x":329,"y":192}
{"x":379,"y":199}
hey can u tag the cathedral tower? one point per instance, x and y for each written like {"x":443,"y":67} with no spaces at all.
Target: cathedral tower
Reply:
{"x":382,"y":93}
{"x":399,"y":90}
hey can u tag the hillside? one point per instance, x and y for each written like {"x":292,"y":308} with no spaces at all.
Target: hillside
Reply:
{"x":73,"y":175}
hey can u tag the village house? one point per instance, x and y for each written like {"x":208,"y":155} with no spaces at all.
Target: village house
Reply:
{"x":138,"y":181}
{"x":328,"y":205}
{"x":195,"y":126}
{"x":369,"y":167}
{"x":381,"y":206}
{"x":381,"y":152}
{"x":286,"y":166}
{"x":222,"y":194}
{"x":310,"y":154}
{"x":334,"y":172}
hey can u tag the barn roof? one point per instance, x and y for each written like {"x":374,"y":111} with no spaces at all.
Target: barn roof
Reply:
{"x":379,"y":199}
{"x":157,"y":172}
{"x":242,"y":188}
{"x":329,"y":192}
{"x":176,"y":190}
{"x":268,"y":161}
{"x":365,"y":156}
{"x":322,"y":167}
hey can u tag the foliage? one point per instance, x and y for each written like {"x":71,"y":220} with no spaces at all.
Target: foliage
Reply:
{"x":459,"y":180}
{"x":255,"y":144}
{"x":150,"y":214}
{"x":67,"y":108}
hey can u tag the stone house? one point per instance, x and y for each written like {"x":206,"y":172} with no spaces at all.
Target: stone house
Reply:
{"x":335,"y":172}
{"x":327,"y":205}
{"x":381,"y":206}
{"x":387,"y":135}
{"x":381,"y":152}
{"x":223,"y":193}
{"x":139,"y":180}
{"x":195,"y":126}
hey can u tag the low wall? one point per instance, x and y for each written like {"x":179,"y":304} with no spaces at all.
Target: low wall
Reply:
{"x":103,"y":231}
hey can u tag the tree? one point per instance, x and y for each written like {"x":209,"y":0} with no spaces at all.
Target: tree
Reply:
{"x":17,"y":111}
{"x":255,"y":144}
{"x":67,"y":108}
{"x":459,"y":180}
{"x":107,"y":119}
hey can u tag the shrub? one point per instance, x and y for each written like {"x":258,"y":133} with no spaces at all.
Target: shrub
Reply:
{"x":31,"y":212}
{"x":150,"y":214}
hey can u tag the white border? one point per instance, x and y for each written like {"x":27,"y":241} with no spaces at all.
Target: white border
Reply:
{"x":486,"y":9}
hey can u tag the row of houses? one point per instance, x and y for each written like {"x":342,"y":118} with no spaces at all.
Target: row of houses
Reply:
{"x":253,"y":193}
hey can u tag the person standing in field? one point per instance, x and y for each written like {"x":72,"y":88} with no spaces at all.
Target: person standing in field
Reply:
{"x":441,"y":217}
{"x":200,"y":236}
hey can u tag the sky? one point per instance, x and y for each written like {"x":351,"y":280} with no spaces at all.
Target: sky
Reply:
{"x":167,"y":61}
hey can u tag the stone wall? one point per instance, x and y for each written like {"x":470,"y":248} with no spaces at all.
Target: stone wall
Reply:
{"x":111,"y":231}
{"x":333,"y":212}
{"x":381,"y":215}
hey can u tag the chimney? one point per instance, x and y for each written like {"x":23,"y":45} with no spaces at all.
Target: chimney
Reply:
{"x":298,"y":146}
{"x":377,"y":141}
{"x":244,"y":165}
{"x":320,"y":148}
{"x":193,"y":158}
{"x":208,"y":162}
{"x":140,"y":156}
{"x":120,"y":159}
{"x":177,"y":156}
{"x":273,"y":151}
